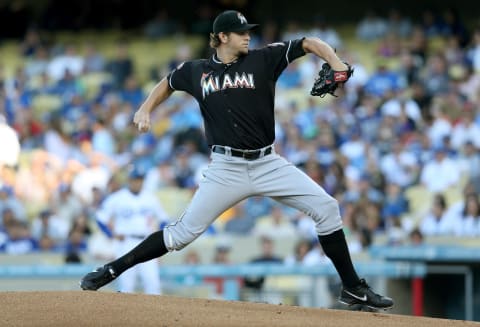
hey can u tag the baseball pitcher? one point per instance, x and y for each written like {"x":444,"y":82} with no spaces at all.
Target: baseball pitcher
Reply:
{"x":235,"y":90}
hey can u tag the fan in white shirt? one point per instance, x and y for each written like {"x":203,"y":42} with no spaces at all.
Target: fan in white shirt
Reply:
{"x":437,"y":222}
{"x":467,"y":222}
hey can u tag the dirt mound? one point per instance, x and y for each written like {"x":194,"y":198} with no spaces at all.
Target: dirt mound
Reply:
{"x":77,"y":308}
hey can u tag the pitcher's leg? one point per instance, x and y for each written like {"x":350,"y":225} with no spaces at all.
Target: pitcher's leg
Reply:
{"x":286,"y":183}
{"x":211,"y":199}
{"x":291,"y":186}
{"x":225,"y":183}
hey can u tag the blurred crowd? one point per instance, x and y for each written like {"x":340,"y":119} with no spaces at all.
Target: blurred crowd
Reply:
{"x":410,"y":120}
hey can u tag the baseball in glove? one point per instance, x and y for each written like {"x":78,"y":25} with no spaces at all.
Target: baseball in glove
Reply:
{"x":328,"y":80}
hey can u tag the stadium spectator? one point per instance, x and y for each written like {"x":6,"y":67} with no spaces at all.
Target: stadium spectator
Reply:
{"x":121,"y":66}
{"x":467,"y":223}
{"x":50,"y":231}
{"x":31,"y":43}
{"x":96,"y":174}
{"x":454,"y":25}
{"x":191,"y":257}
{"x":469,"y":161}
{"x":9,"y":201}
{"x":416,"y":237}
{"x":17,"y":239}
{"x":431,"y":22}
{"x":440,"y":125}
{"x":102,"y":139}
{"x":221,"y":256}
{"x":161,"y":25}
{"x":435,"y":76}
{"x":382,"y":80}
{"x":240,"y":223}
{"x":67,"y":62}
{"x":255,"y":284}
{"x":398,"y":24}
{"x":258,"y":206}
{"x":389,"y":46}
{"x":466,"y":129}
{"x":290,"y":78}
{"x":474,"y":51}
{"x":322,"y":28}
{"x":371,"y":26}
{"x":355,"y":148}
{"x":76,"y":242}
{"x":437,"y":222}
{"x":67,"y":205}
{"x":310,"y":253}
{"x":440,"y":173}
{"x":131,"y":92}
{"x":275,"y":225}
{"x":38,"y":63}
{"x":160,"y":176}
{"x":395,"y":203}
{"x":400,"y":166}
{"x":182,"y":54}
{"x":95,"y":61}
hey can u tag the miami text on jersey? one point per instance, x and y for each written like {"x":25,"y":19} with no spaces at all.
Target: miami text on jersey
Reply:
{"x":211,"y":84}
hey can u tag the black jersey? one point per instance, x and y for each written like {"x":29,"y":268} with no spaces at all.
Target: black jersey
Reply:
{"x":237,"y":99}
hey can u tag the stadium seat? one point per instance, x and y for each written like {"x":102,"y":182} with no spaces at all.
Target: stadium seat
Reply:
{"x":43,"y":104}
{"x":93,"y":81}
{"x":174,"y":200}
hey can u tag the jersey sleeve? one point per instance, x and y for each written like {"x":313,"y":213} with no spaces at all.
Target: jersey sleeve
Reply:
{"x":180,"y":79}
{"x":278,"y":55}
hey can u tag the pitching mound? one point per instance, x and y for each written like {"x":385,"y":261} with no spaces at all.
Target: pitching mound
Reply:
{"x":115,"y":309}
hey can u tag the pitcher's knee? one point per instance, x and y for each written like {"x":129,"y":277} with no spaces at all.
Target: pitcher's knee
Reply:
{"x":177,"y":237}
{"x":331,"y":208}
{"x":330,"y":218}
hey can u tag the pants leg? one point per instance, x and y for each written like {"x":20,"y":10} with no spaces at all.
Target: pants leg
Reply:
{"x":225,"y":183}
{"x":284,"y":182}
{"x":275,"y":177}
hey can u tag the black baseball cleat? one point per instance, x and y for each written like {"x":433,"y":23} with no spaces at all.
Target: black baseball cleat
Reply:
{"x":363,"y":295}
{"x":97,"y":278}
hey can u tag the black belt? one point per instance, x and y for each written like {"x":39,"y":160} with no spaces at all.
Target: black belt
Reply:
{"x":245,"y":154}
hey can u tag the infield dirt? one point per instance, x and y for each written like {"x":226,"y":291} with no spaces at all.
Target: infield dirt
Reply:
{"x":80,"y":308}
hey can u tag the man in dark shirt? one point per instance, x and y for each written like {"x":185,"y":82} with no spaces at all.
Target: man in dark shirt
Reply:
{"x":235,"y":89}
{"x":266,"y":256}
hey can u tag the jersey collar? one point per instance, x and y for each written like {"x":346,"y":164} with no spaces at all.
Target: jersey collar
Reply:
{"x":215,"y":61}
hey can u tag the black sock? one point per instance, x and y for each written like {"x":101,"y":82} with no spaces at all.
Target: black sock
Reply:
{"x":335,"y":247}
{"x":150,"y":248}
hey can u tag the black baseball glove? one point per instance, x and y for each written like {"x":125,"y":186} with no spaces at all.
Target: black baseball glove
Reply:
{"x":328,"y":80}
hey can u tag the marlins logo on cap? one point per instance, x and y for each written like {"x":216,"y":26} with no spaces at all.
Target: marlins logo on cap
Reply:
{"x":231,"y":21}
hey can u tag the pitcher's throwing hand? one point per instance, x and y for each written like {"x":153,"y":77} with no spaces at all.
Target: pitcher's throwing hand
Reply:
{"x":141,"y":119}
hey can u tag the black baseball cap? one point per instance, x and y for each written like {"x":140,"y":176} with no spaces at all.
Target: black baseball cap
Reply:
{"x":231,"y":21}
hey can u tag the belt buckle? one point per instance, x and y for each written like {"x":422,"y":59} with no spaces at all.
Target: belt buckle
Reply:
{"x":247,"y":155}
{"x":250,"y":155}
